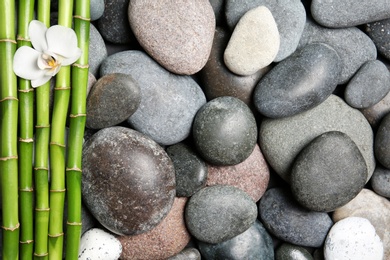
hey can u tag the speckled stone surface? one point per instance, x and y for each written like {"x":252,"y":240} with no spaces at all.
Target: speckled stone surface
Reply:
{"x":353,"y":46}
{"x":328,"y":173}
{"x":289,"y":221}
{"x":190,"y":169}
{"x":380,"y":181}
{"x":369,"y":85}
{"x":348,"y":13}
{"x":96,"y":9}
{"x":375,"y":113}
{"x":373,"y":207}
{"x":98,"y":244}
{"x":224,"y":131}
{"x":292,"y":252}
{"x":165,"y":240}
{"x":379,"y":32}
{"x":382,"y":142}
{"x":289,"y":15}
{"x":122,"y":169}
{"x":248,"y":50}
{"x":254,"y":243}
{"x":353,"y":238}
{"x":219,"y":81}
{"x":190,"y":253}
{"x":177,"y":34}
{"x":298,"y":83}
{"x":282,"y":139}
{"x":97,"y":50}
{"x":218,"y":213}
{"x":169,"y":102}
{"x":112,"y":100}
{"x":251,"y":176}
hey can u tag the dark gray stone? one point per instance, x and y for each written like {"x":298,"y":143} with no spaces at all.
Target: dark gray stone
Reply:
{"x":128,"y":180}
{"x":287,"y":220}
{"x":289,"y":15}
{"x":379,"y":32}
{"x":380,"y":181}
{"x":369,"y":85}
{"x":348,"y":13}
{"x":292,"y":252}
{"x":382,"y":142}
{"x":225,"y":131}
{"x":298,"y":83}
{"x":219,"y":81}
{"x":187,"y":254}
{"x":96,"y":9}
{"x":97,"y":50}
{"x":113,"y":99}
{"x":218,"y":8}
{"x":114,"y":24}
{"x":169,"y":102}
{"x":353,"y":46}
{"x":191,"y":170}
{"x":218,"y":213}
{"x":254,"y":243}
{"x":328,"y":173}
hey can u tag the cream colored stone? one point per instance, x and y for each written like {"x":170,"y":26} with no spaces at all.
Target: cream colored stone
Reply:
{"x":254,"y":43}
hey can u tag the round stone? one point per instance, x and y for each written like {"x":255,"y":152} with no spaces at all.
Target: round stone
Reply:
{"x":224,"y":131}
{"x":379,"y":32}
{"x":254,"y":243}
{"x":191,"y":171}
{"x":369,"y":85}
{"x":382,"y":142}
{"x":298,"y":83}
{"x":328,"y":173}
{"x":248,"y":50}
{"x":163,"y":241}
{"x":292,"y":252}
{"x":99,"y":244}
{"x":113,"y":99}
{"x":96,"y":9}
{"x":190,"y":253}
{"x":380,"y":181}
{"x":177,"y":34}
{"x":251,"y":175}
{"x":97,"y":50}
{"x":353,"y":238}
{"x":122,"y":169}
{"x":218,"y":213}
{"x":290,"y":222}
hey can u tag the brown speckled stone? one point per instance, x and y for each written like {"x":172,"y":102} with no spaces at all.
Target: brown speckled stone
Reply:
{"x":165,"y":240}
{"x":177,"y":34}
{"x":251,"y":176}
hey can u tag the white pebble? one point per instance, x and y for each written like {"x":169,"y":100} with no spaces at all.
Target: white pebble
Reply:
{"x":254,"y":43}
{"x":98,"y":244}
{"x":353,"y":238}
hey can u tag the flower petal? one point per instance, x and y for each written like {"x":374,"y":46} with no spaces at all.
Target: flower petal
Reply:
{"x":25,"y":63}
{"x":62,"y":41}
{"x":40,"y":81}
{"x":37,"y":32}
{"x":72,"y":59}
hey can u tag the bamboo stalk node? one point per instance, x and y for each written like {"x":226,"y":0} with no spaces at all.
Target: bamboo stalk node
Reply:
{"x":58,"y":144}
{"x":11,"y":228}
{"x":81,"y":18}
{"x":76,"y":169}
{"x":41,"y":255}
{"x":8,"y":158}
{"x":8,"y":40}
{"x":21,"y":38}
{"x":74,"y":223}
{"x":42,"y":126}
{"x":26,"y":140}
{"x":56,"y":235}
{"x":62,"y":88}
{"x":45,"y":209}
{"x":62,"y":190}
{"x":77,"y":115}
{"x":26,"y":242}
{"x":26,"y":189}
{"x":41,"y":168}
{"x":81,"y":66}
{"x":26,"y":90}
{"x":9,"y":98}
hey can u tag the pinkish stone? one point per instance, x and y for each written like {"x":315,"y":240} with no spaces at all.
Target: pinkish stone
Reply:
{"x":165,"y":240}
{"x":178,"y":34}
{"x":251,"y":176}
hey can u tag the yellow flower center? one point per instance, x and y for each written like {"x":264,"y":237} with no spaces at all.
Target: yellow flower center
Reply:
{"x":50,"y":62}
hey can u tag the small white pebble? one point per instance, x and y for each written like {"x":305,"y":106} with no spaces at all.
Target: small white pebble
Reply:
{"x":98,"y":244}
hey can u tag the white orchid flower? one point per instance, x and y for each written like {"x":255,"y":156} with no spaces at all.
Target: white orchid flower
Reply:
{"x":53,"y":48}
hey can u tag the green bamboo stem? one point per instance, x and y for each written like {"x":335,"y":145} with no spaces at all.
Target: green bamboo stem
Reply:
{"x":8,"y":134}
{"x":26,"y":145}
{"x":76,"y":130}
{"x":41,"y":167}
{"x":58,"y":146}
